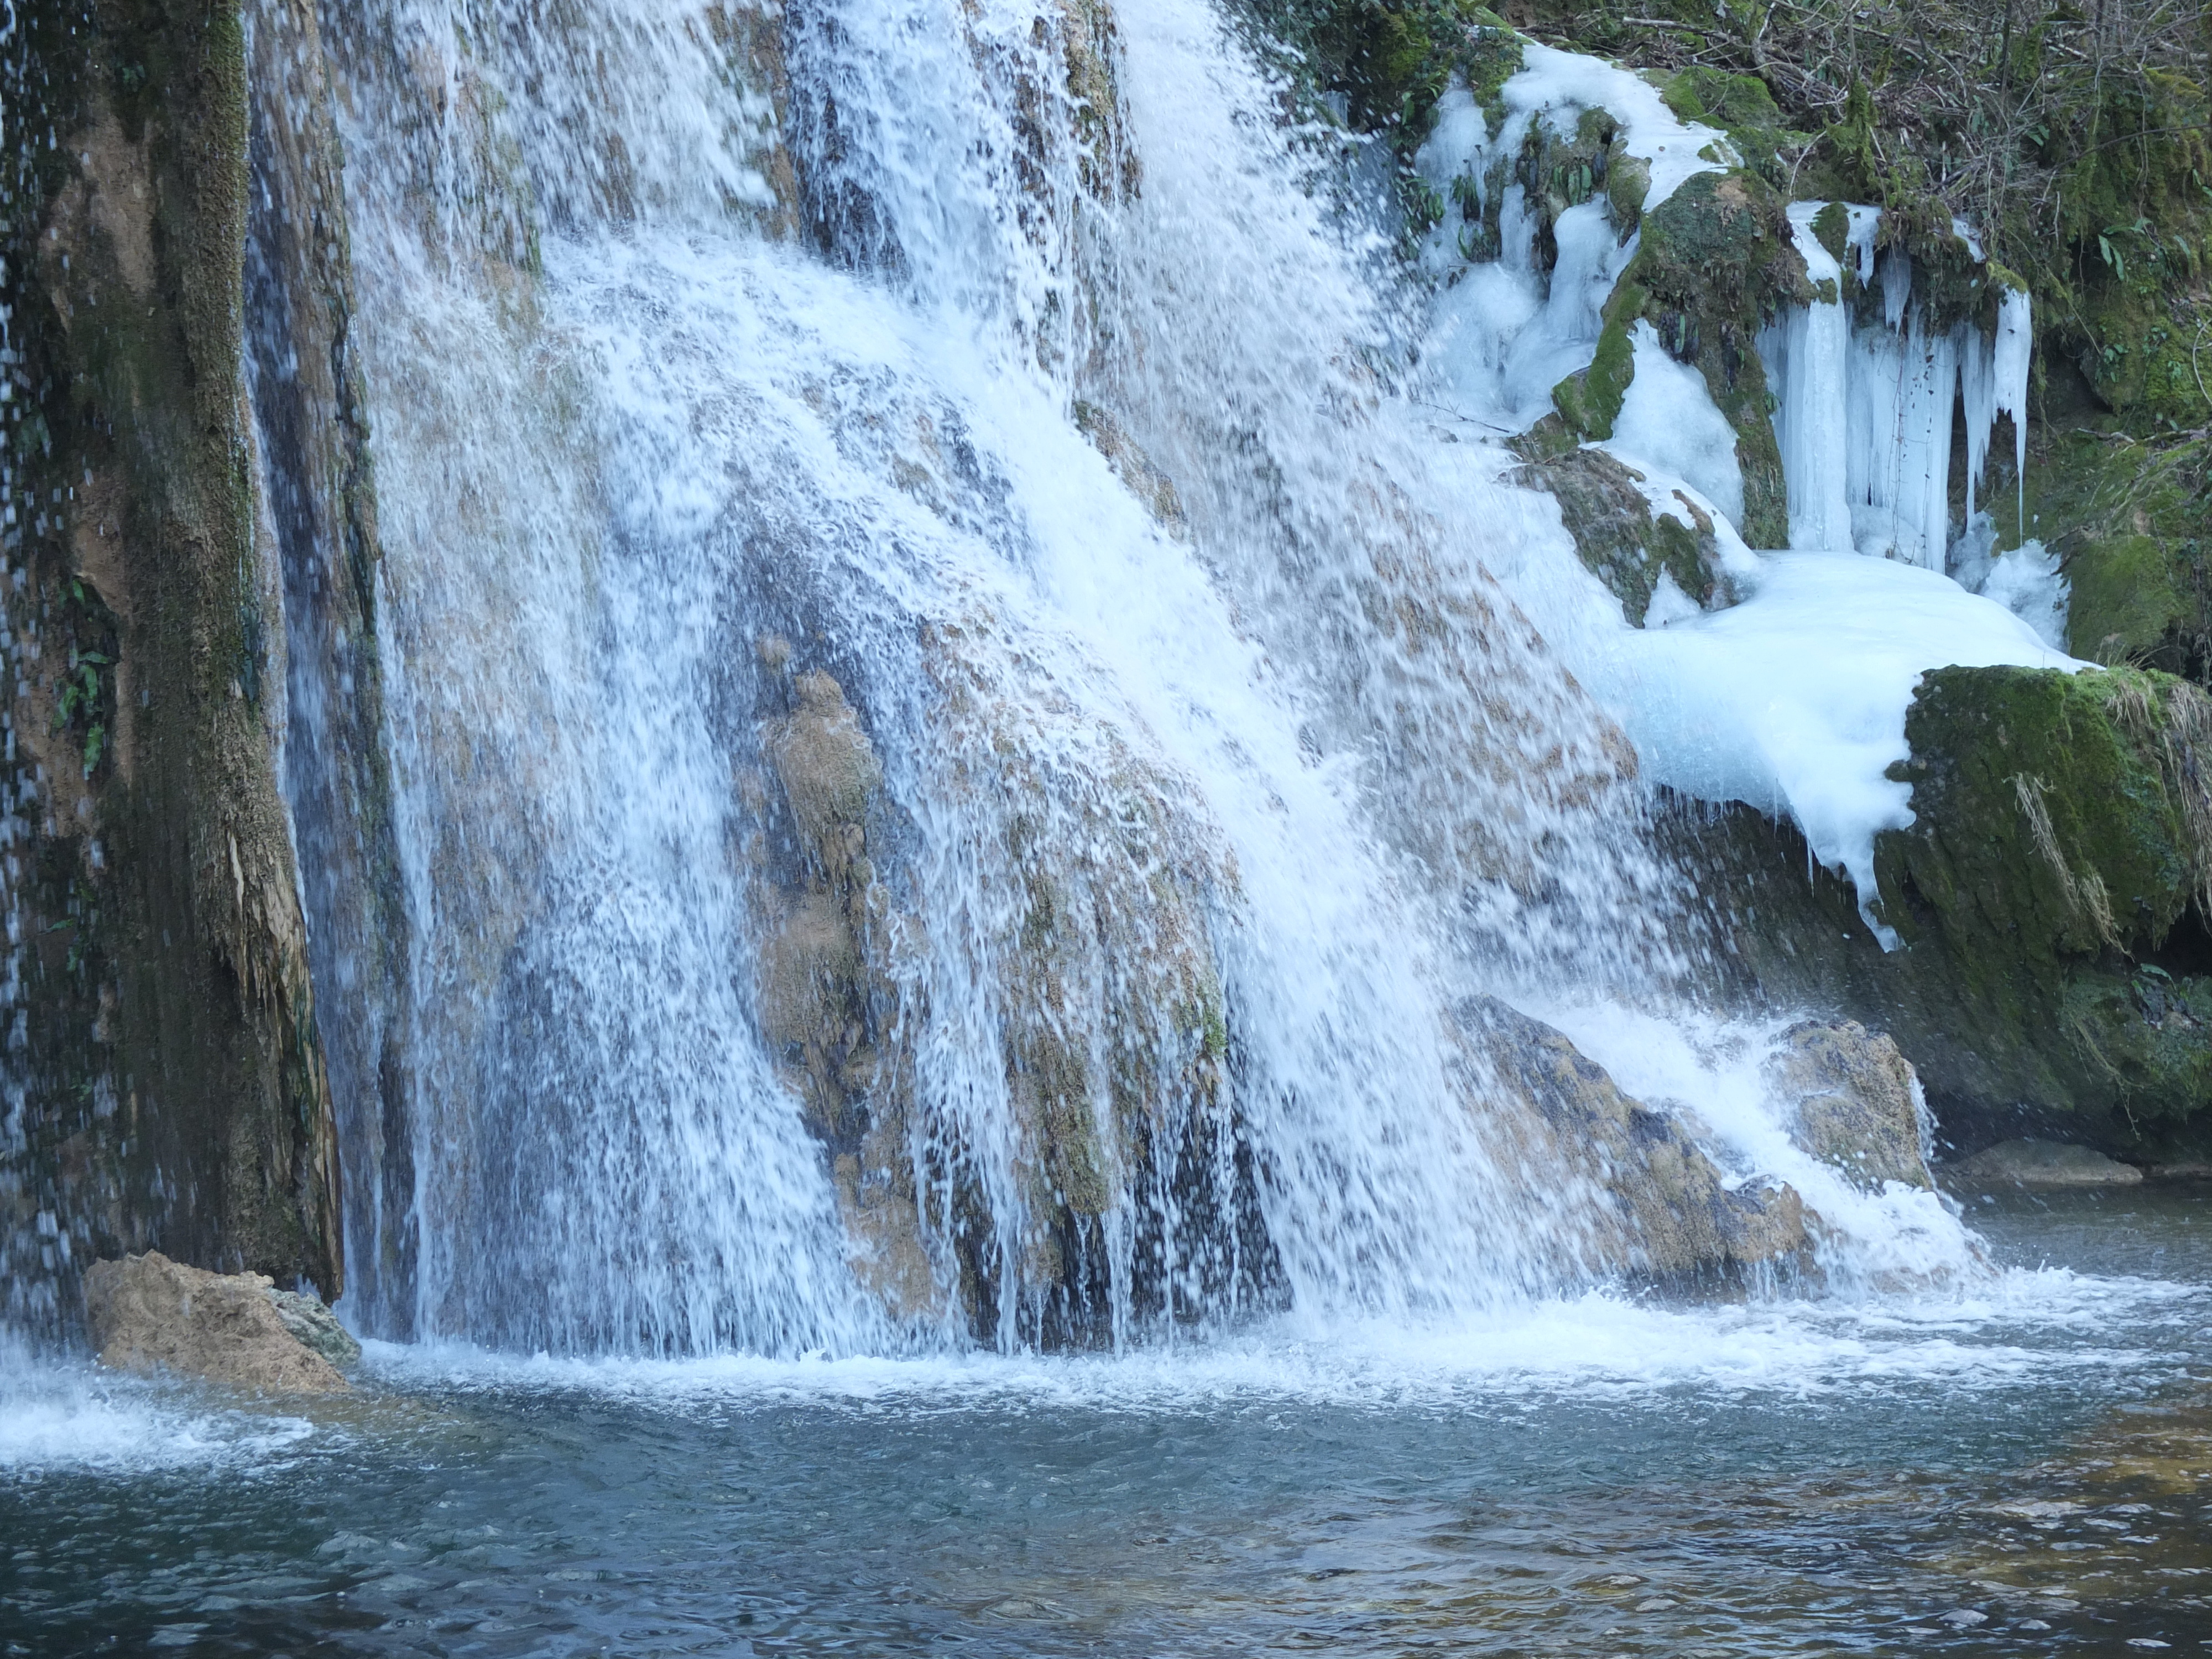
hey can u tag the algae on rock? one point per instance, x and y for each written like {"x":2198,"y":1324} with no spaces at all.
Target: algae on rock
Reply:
{"x":176,"y":1091}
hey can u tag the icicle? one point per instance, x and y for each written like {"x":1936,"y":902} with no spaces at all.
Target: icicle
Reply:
{"x":1896,"y":287}
{"x":1899,"y":451}
{"x":1859,"y":240}
{"x":2010,"y":353}
{"x":1977,"y":392}
{"x":1807,"y":357}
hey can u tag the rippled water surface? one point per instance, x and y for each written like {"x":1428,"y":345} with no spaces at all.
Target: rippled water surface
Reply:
{"x":2021,"y":1472}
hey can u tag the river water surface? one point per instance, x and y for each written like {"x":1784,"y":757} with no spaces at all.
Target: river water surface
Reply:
{"x":2019,"y":1469}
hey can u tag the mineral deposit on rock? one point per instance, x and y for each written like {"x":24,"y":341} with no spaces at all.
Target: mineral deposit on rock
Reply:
{"x":148,"y":1313}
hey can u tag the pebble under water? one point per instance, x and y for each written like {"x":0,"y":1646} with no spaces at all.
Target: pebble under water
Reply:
{"x":2019,"y":1470}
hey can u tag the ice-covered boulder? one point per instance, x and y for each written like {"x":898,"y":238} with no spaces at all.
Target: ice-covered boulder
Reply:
{"x":147,"y":1313}
{"x":2042,"y":1164}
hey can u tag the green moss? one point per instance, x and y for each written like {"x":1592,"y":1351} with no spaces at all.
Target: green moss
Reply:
{"x":1392,"y":59}
{"x":1717,"y":262}
{"x":2041,"y":794}
{"x":2049,"y":898}
{"x":1743,"y":108}
{"x":1588,"y":401}
{"x":2125,"y":599}
{"x":1624,"y":543}
{"x":2128,"y":519}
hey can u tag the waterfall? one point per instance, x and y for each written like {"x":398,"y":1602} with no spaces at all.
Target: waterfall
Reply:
{"x":952,"y":752}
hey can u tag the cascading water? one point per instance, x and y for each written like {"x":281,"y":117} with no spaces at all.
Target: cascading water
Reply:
{"x":943,"y":723}
{"x":955,"y":753}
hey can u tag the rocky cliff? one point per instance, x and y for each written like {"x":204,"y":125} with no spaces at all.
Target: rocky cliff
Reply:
{"x":173,"y":1088}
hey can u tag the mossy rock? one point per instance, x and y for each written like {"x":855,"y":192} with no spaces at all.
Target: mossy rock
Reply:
{"x":2035,"y":792}
{"x":2054,"y":968}
{"x":1715,"y":265}
{"x":1743,"y":108}
{"x":1624,"y":542}
{"x":1391,"y":59}
{"x":2127,"y":518}
{"x":2146,"y":345}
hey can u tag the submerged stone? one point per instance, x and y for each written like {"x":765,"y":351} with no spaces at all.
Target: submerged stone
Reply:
{"x":147,"y":1313}
{"x":2044,"y":1164}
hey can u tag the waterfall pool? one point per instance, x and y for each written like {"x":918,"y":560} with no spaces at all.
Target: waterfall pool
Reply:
{"x":2019,"y":1468}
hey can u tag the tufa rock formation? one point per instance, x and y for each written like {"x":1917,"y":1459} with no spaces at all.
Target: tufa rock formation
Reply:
{"x":148,"y":1313}
{"x":175,"y":1089}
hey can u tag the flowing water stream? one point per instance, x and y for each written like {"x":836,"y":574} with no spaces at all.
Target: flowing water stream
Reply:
{"x":2018,"y":1471}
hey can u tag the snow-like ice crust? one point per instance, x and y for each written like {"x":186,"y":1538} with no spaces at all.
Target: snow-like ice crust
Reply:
{"x":1504,"y":336}
{"x":1667,"y":422}
{"x":1794,"y":700}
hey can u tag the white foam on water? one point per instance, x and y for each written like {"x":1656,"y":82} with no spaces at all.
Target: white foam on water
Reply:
{"x":59,"y":1416}
{"x":2018,"y":1327}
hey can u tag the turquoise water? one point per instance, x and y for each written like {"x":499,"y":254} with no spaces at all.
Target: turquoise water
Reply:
{"x":2016,"y":1471}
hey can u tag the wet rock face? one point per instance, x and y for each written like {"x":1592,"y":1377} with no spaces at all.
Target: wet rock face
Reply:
{"x":2049,"y":896}
{"x":1626,"y":545}
{"x":147,"y":1313}
{"x":2042,"y":1164}
{"x":845,"y":1000}
{"x":177,"y":1090}
{"x":1670,"y":1217}
{"x":1858,"y":1101}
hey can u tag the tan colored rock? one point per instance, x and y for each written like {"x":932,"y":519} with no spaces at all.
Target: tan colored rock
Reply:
{"x":148,"y":1313}
{"x":1671,"y":1215}
{"x":2041,"y":1163}
{"x":1855,"y":1101}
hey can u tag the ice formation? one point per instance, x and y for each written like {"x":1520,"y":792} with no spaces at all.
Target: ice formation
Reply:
{"x":1794,"y":700}
{"x":1506,"y":331}
{"x":1868,"y":409}
{"x":1807,"y":355}
{"x":1667,"y":420}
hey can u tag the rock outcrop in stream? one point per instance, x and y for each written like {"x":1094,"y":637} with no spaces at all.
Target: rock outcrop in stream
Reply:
{"x":147,"y":1313}
{"x":1669,"y":1216}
